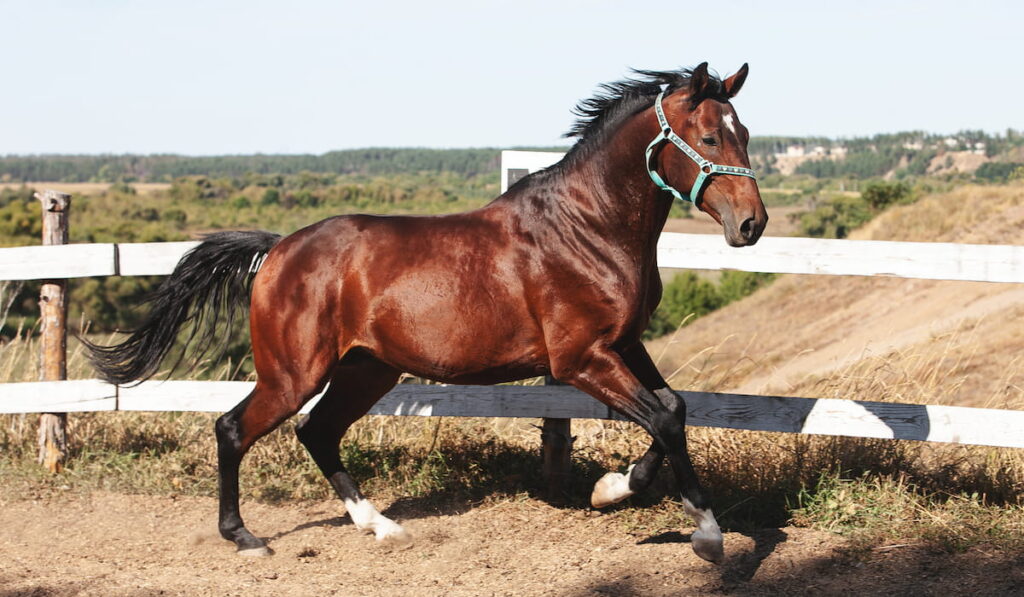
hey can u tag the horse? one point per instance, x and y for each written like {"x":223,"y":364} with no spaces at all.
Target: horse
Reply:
{"x":557,"y":276}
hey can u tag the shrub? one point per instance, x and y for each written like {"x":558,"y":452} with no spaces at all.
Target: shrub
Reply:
{"x":880,"y":195}
{"x":687,"y":294}
{"x":997,"y":171}
{"x":835,"y":218}
{"x":690,"y":295}
{"x":735,"y":285}
{"x":271,"y":197}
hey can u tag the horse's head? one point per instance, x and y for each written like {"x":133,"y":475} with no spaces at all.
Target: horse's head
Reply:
{"x":703,"y":117}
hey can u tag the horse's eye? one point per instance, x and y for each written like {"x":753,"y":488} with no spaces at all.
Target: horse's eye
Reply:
{"x":709,"y":141}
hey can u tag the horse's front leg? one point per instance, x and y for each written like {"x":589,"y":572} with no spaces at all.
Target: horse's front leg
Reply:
{"x":612,"y":488}
{"x":607,"y":377}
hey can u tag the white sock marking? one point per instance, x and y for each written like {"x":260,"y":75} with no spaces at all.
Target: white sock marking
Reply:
{"x":367,"y":518}
{"x":707,"y":526}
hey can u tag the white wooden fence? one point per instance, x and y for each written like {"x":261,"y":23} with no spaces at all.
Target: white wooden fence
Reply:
{"x":816,"y":416}
{"x":763,"y":413}
{"x":784,"y":255}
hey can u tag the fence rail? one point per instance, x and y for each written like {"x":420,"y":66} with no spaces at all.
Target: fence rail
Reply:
{"x":815,"y":416}
{"x":934,"y":261}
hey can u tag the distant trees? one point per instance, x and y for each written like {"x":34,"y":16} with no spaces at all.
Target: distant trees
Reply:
{"x":164,"y":168}
{"x":906,"y":153}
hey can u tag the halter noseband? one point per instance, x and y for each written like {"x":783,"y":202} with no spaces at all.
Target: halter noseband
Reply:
{"x":705,"y":167}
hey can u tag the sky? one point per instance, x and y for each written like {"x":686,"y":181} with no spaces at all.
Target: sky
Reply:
{"x":219,"y":77}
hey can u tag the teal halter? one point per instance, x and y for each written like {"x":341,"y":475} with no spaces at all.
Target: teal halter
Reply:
{"x":706,"y":168}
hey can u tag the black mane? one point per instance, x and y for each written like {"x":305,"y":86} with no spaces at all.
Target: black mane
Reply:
{"x":616,"y":101}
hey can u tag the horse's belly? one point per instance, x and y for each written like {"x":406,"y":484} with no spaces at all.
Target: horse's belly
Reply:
{"x":461,"y":347}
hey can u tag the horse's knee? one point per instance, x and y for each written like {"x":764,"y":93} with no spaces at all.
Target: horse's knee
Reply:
{"x":671,"y":401}
{"x":668,"y":431}
{"x":228,"y":432}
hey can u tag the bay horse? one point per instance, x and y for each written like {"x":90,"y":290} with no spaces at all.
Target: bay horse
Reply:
{"x":558,"y":276}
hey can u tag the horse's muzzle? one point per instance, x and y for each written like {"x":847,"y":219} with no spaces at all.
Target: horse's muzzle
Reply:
{"x":745,"y":230}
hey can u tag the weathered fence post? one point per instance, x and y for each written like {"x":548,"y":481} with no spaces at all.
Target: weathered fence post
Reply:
{"x":556,"y":450}
{"x":53,"y":331}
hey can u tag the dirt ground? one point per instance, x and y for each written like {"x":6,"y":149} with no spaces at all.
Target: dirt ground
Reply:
{"x":114,"y":544}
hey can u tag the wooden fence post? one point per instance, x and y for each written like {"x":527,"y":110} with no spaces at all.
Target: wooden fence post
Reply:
{"x":556,"y":449}
{"x":53,"y":331}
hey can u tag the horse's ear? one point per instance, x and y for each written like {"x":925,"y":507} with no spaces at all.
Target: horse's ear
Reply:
{"x":732,"y":84}
{"x":699,"y":82}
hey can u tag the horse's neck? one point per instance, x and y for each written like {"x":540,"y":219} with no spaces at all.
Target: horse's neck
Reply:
{"x":611,"y":191}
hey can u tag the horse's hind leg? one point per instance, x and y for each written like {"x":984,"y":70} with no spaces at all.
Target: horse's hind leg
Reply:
{"x":353,"y":390}
{"x":237,"y":430}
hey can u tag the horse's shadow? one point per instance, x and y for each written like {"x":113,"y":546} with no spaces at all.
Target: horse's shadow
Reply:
{"x":522,"y":476}
{"x":333,"y":521}
{"x":739,"y":568}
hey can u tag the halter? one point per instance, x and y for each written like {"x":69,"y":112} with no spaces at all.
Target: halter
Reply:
{"x":705,"y":167}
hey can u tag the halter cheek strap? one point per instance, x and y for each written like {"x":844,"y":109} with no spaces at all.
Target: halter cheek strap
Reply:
{"x":706,"y":167}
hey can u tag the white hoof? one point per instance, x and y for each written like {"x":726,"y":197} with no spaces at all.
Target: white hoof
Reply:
{"x":708,"y":546}
{"x":707,"y":539}
{"x":611,"y":489}
{"x":392,"y":535}
{"x":368,"y":519}
{"x":256,"y":552}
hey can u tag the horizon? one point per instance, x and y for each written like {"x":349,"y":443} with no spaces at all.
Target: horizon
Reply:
{"x":246,"y":78}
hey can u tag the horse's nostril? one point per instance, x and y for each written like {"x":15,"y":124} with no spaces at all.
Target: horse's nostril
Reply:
{"x":747,"y":228}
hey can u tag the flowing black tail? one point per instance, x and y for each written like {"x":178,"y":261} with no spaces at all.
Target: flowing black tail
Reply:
{"x":213,"y":278}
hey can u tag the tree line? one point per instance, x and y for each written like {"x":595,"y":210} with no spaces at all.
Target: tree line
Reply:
{"x":909,"y":153}
{"x":165,"y":168}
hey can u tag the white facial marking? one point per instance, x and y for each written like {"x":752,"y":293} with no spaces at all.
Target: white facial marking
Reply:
{"x":367,"y":518}
{"x":729,"y":124}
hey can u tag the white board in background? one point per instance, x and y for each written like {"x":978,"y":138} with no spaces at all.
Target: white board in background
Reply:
{"x":56,"y":261}
{"x":517,"y":164}
{"x":151,"y":259}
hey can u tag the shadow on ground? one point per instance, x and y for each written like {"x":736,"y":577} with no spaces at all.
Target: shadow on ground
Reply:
{"x":977,"y":572}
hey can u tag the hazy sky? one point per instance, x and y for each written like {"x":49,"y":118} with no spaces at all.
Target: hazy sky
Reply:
{"x":208,"y":77}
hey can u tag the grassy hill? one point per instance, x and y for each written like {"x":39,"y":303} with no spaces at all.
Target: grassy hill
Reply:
{"x":874,"y":338}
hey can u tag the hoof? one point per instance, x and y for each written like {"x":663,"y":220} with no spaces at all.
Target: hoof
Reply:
{"x":610,"y":489}
{"x":395,"y":536}
{"x":708,"y":547}
{"x":261,"y":551}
